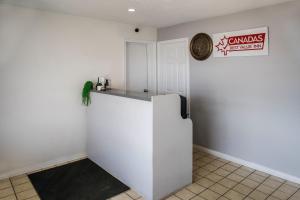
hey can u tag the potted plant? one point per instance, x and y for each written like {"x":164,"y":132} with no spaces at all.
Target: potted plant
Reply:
{"x":86,"y":98}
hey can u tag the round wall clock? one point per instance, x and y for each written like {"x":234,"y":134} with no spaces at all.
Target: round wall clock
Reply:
{"x":201,"y":46}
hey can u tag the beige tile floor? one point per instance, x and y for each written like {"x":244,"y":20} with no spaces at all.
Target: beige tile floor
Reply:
{"x":213,"y":178}
{"x":18,"y":187}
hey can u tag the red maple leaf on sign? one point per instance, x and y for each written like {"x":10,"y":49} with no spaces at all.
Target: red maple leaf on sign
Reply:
{"x":223,"y":45}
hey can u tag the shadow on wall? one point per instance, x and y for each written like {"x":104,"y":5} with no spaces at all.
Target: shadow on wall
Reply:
{"x":202,"y":117}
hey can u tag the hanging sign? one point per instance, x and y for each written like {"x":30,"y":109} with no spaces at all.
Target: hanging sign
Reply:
{"x":251,"y":42}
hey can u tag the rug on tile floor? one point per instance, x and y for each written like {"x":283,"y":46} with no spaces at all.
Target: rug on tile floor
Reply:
{"x":81,"y":180}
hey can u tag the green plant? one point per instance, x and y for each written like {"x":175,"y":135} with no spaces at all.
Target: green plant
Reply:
{"x":86,"y":98}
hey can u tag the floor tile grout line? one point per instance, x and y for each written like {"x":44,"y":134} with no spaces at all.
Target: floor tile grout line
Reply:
{"x":219,"y":167}
{"x":23,"y":190}
{"x":129,"y":196}
{"x":6,"y":187}
{"x":276,"y":189}
{"x":29,"y":181}
{"x":259,"y":183}
{"x":293,"y":194}
{"x":226,"y":177}
{"x":210,"y":163}
{"x":252,"y":189}
{"x":240,"y":182}
{"x":255,"y":188}
{"x":216,"y":158}
{"x":13,"y":187}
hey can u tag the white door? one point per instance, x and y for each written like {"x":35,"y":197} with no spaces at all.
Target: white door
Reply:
{"x":173,"y":68}
{"x":136,"y":67}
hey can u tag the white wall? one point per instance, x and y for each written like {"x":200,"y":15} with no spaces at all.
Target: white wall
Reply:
{"x":45,"y":58}
{"x":249,"y":107}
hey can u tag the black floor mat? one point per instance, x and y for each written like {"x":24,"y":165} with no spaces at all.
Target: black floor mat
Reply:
{"x":81,"y":180}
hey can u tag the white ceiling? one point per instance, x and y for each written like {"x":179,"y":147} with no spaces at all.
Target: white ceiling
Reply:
{"x":157,"y":13}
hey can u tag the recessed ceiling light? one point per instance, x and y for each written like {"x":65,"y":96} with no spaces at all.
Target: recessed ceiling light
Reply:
{"x":131,"y":10}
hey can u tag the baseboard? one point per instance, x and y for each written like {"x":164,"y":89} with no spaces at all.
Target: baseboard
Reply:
{"x":65,"y":160}
{"x":43,"y":166}
{"x":250,"y":164}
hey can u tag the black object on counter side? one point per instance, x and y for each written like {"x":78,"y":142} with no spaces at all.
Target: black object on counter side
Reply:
{"x":183,"y":107}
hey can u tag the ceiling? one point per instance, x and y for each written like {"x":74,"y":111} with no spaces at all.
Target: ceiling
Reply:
{"x":157,"y":13}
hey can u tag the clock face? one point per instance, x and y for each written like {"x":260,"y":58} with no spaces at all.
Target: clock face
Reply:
{"x":201,"y":46}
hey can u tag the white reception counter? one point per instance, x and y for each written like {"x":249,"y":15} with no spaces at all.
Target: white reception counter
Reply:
{"x":141,"y":140}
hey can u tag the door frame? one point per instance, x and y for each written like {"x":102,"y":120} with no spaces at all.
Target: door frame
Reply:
{"x":186,"y":40}
{"x":149,"y":43}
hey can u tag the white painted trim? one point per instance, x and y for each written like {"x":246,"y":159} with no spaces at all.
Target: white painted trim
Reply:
{"x":141,"y":41}
{"x":250,"y":164}
{"x":43,"y":166}
{"x":154,"y":60}
{"x":188,"y":67}
{"x":174,"y":40}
